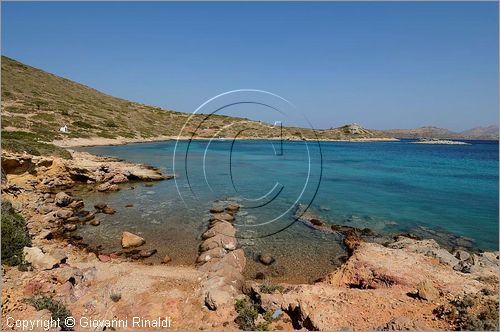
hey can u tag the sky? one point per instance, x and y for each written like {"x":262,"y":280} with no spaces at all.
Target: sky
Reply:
{"x":382,"y":65}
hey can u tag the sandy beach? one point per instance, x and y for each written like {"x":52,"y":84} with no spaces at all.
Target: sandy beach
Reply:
{"x":100,"y":141}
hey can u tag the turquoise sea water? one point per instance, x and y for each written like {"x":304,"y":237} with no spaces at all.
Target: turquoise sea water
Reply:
{"x":438,"y":191}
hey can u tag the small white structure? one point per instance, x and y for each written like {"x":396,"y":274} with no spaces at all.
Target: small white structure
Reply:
{"x":64,"y":129}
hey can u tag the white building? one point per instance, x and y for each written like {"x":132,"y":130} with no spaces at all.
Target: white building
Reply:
{"x":64,"y":129}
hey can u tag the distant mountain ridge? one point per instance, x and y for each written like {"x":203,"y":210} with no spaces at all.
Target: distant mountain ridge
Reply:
{"x":38,"y":103}
{"x":477,"y":133}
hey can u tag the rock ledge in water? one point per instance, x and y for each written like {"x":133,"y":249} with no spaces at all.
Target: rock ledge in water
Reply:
{"x":130,"y":240}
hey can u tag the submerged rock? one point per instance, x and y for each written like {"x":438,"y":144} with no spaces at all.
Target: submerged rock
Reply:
{"x":316,"y":222}
{"x":223,"y":216}
{"x":148,"y":253}
{"x":130,"y":240}
{"x":62,"y":199}
{"x":266,"y":259}
{"x":95,"y":222}
{"x":233,"y":208}
{"x":108,"y":210}
{"x":107,"y":186}
{"x":76,"y":205}
{"x":88,"y":217}
{"x":217,"y":209}
{"x":100,"y":206}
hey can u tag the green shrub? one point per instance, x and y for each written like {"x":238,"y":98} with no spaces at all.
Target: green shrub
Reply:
{"x":47,"y":117}
{"x":110,"y":123}
{"x":106,"y":134}
{"x":56,"y":308}
{"x":470,"y":313}
{"x":270,"y":289}
{"x":115,"y":297}
{"x":247,"y":313}
{"x":20,"y":141}
{"x":14,"y":235}
{"x":82,"y":124}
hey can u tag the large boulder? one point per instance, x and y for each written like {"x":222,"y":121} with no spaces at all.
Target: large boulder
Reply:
{"x":62,"y":199}
{"x":217,"y":209}
{"x":130,"y":240}
{"x":100,"y":206}
{"x":40,"y":260}
{"x":427,"y":247}
{"x":119,"y":178}
{"x":233,"y":208}
{"x":64,"y":213}
{"x":76,"y":205}
{"x":219,"y":240}
{"x":107,"y":186}
{"x":462,"y":255}
{"x":222,"y":227}
{"x":223,"y":216}
{"x":216,"y":297}
{"x":108,"y":210}
{"x":427,"y":291}
{"x":212,"y":253}
{"x":231,"y":265}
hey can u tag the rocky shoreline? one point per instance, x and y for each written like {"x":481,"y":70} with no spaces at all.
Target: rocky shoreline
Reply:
{"x":384,"y":283}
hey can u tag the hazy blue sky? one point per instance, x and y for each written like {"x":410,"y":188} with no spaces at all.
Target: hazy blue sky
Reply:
{"x":383,"y":65}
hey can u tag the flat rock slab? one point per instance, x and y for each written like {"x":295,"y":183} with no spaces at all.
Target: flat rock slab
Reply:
{"x":130,"y":240}
{"x":223,"y":216}
{"x":40,"y":260}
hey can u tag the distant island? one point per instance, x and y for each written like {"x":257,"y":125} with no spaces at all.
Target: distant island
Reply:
{"x":478,"y":133}
{"x":439,"y":141}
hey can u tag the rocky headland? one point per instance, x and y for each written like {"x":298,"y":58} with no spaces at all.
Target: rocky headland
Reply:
{"x":387,"y":283}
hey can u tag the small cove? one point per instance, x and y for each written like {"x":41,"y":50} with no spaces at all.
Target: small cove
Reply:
{"x":449,"y":193}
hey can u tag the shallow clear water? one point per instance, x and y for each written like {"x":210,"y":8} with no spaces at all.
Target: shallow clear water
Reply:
{"x":440,"y":191}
